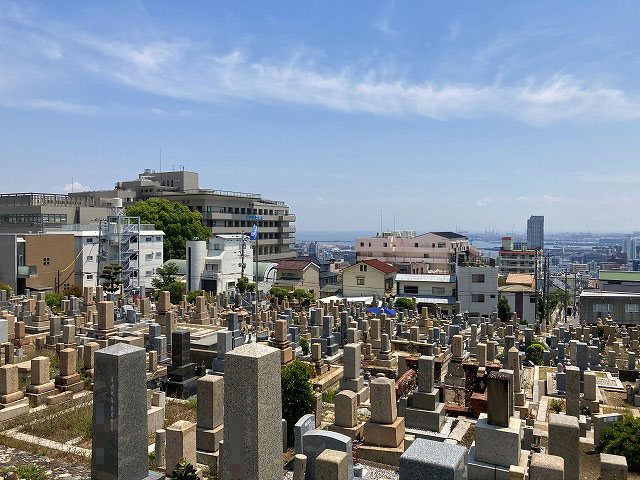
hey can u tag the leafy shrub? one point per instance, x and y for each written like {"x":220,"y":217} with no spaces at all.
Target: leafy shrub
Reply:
{"x":556,"y":405}
{"x":504,"y":309}
{"x":534,"y":353}
{"x":7,"y":288}
{"x":402,"y":303}
{"x":184,"y":471}
{"x":622,"y":439}
{"x":297,"y":395}
{"x":304,"y":344}
{"x":54,"y":301}
{"x":192,"y":402}
{"x":191,"y":296}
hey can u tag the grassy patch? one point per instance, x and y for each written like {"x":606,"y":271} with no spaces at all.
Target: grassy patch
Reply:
{"x":27,"y":472}
{"x":175,"y":411}
{"x":65,"y":457}
{"x":65,"y":426}
{"x":328,"y":396}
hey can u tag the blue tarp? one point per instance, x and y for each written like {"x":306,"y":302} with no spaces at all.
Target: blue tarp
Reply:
{"x":378,"y":310}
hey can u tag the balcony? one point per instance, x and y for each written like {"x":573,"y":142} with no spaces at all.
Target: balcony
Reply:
{"x":288,"y":229}
{"x":27,"y":271}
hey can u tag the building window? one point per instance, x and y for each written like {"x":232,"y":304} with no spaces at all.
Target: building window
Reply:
{"x":90,"y":240}
{"x":360,"y":281}
{"x":149,"y":256}
{"x":384,"y":244}
{"x":158,"y":254}
{"x":442,"y":245}
{"x":531,"y":299}
{"x":477,"y":278}
{"x":602,"y":308}
{"x":632,"y":308}
{"x":412,"y":289}
{"x":437,"y":290}
{"x":363,"y":268}
{"x":415,"y":245}
{"x":362,"y":244}
{"x":148,"y":239}
{"x":89,"y":258}
{"x":89,"y":276}
{"x":46,"y":261}
{"x":477,"y":298}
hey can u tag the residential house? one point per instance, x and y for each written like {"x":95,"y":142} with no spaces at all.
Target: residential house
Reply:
{"x":477,"y":289}
{"x":428,"y":289}
{"x":293,"y":274}
{"x":369,"y":277}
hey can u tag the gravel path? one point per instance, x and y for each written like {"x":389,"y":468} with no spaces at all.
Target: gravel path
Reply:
{"x":54,"y":468}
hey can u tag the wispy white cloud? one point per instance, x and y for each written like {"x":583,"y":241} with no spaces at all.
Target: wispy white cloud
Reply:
{"x":483,"y":202}
{"x":195,"y":71}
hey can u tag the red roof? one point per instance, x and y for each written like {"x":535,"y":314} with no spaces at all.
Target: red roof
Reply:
{"x":378,"y":265}
{"x":293,"y":264}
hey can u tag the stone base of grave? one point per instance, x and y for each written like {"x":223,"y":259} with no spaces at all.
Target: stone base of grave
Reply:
{"x":354,"y":433}
{"x":431,"y":420}
{"x":70,"y":383}
{"x":477,"y":470}
{"x":36,"y":327}
{"x":356,"y":385}
{"x":155,"y":419}
{"x":154,"y":476}
{"x":498,"y":445}
{"x":424,"y":400}
{"x":38,"y":394}
{"x":183,"y":389}
{"x":628,"y":375}
{"x":208,"y":440}
{"x":210,"y":459}
{"x":59,"y":398}
{"x":384,"y":435}
{"x":15,"y":408}
{"x":593,"y":405}
{"x":523,"y":410}
{"x":384,"y":455}
{"x":386,"y":363}
{"x":52,"y":341}
{"x":104,"y":334}
{"x":320,"y":369}
{"x":286,"y":356}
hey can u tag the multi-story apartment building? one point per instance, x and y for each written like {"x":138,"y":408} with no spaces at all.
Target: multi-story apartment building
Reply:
{"x":57,"y":259}
{"x":535,"y":232}
{"x":435,"y":252}
{"x":511,"y":260}
{"x":224,"y":212}
{"x":37,"y":212}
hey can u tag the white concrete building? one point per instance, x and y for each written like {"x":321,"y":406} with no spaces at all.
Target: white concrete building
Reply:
{"x":216,"y":267}
{"x":434,"y":289}
{"x":147,"y":244}
{"x":478,"y":289}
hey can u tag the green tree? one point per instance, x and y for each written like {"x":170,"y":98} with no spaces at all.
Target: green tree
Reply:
{"x":402,"y":303}
{"x":504,"y":309}
{"x":178,"y":223}
{"x":297,"y":395}
{"x":304,"y":297}
{"x":111,"y":277}
{"x":242,"y":284}
{"x":251,"y":287}
{"x":622,"y":439}
{"x":165,"y":279}
{"x":184,"y":471}
{"x":278,"y":292}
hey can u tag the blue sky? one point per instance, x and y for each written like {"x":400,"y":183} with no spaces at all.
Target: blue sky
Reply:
{"x":451,"y":115}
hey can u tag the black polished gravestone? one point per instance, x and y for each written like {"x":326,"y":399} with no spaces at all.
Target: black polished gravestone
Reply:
{"x":119,"y":439}
{"x":182,"y":371}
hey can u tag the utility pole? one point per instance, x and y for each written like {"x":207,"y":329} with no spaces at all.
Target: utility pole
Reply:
{"x":566,"y":295}
{"x":242,"y":264}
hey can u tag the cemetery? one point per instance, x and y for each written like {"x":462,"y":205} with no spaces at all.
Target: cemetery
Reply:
{"x":235,"y":388}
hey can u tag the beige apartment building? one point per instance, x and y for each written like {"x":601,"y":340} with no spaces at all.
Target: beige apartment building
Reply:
{"x":435,"y":252}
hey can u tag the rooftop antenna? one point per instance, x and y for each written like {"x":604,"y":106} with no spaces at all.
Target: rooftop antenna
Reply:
{"x":381,"y":229}
{"x":71,"y":184}
{"x":394,"y":221}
